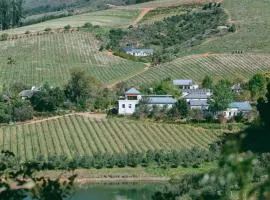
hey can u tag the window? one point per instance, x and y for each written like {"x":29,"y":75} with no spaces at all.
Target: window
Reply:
{"x":130,"y":105}
{"x":132,"y":97}
{"x":123,"y":106}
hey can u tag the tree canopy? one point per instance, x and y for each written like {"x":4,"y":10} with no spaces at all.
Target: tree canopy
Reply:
{"x":222,"y":96}
{"x":10,"y":13}
{"x":257,"y":85}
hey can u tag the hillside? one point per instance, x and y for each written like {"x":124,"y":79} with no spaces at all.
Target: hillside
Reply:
{"x":251,"y":18}
{"x":49,"y":58}
{"x":107,"y":18}
{"x":84,"y":136}
{"x":196,"y":67}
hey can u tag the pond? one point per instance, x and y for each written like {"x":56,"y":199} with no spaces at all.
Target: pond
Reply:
{"x":129,"y":191}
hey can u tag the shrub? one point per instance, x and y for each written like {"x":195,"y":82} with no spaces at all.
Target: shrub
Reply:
{"x":4,"y":37}
{"x":47,"y":29}
{"x":87,"y":25}
{"x":67,"y":27}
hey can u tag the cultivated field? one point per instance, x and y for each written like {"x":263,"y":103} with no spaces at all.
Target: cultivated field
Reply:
{"x":81,"y":135}
{"x":50,"y":57}
{"x":110,"y":18}
{"x":229,"y":66}
{"x":169,"y":3}
{"x":252,"y":20}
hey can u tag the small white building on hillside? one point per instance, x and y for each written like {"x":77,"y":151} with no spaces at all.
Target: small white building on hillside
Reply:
{"x":139,"y":52}
{"x":185,"y":84}
{"x":127,"y":104}
{"x":236,"y":108}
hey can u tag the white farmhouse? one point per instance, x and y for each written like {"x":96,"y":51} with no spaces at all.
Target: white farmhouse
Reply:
{"x":236,"y":108}
{"x":185,"y":84}
{"x":127,"y":104}
{"x":139,"y":52}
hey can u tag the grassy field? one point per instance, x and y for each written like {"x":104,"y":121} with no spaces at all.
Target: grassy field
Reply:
{"x":50,"y":58}
{"x":168,"y":3}
{"x":73,"y":135}
{"x":240,"y":66}
{"x":252,"y":20}
{"x":111,"y":18}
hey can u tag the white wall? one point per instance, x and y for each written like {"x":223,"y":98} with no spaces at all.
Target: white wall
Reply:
{"x":127,"y":107}
{"x":231,"y":112}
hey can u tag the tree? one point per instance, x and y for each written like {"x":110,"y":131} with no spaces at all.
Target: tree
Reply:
{"x":21,"y":111}
{"x":207,"y":82}
{"x":166,"y":87}
{"x":222,"y":96}
{"x":257,"y":86}
{"x":81,"y":86}
{"x":264,"y":108}
{"x":179,"y":110}
{"x":18,"y":182}
{"x":47,"y":99}
{"x":10,"y":13}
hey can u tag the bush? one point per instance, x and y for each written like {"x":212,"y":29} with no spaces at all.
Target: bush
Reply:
{"x":47,"y":29}
{"x":67,"y":27}
{"x":87,"y":25}
{"x":23,"y":113}
{"x":4,"y":37}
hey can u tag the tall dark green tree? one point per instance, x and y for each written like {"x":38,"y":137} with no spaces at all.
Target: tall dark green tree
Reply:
{"x":264,"y":108}
{"x":257,"y":86}
{"x":222,"y":96}
{"x":207,"y":82}
{"x":10,"y":13}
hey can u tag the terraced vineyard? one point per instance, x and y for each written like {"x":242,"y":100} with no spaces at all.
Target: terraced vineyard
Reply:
{"x":81,"y":135}
{"x":218,"y":66}
{"x":50,"y":57}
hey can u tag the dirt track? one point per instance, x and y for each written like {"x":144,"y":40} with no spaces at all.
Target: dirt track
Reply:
{"x":141,"y":15}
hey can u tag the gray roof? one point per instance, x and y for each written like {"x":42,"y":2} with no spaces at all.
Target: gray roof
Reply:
{"x":160,"y":99}
{"x":133,"y":91}
{"x":27,"y":93}
{"x":182,"y":82}
{"x":196,"y":96}
{"x":196,"y":91}
{"x":133,"y":50}
{"x":198,"y":103}
{"x":242,"y":106}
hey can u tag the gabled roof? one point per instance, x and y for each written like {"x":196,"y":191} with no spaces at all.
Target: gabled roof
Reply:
{"x":161,"y":100}
{"x":196,"y":96}
{"x":132,"y":91}
{"x":27,"y":93}
{"x":197,"y":91}
{"x":199,"y":103}
{"x":182,"y":82}
{"x":241,"y":106}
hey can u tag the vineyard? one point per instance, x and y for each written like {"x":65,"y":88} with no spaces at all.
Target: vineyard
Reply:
{"x":49,"y":58}
{"x":75,"y":134}
{"x":229,"y":66}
